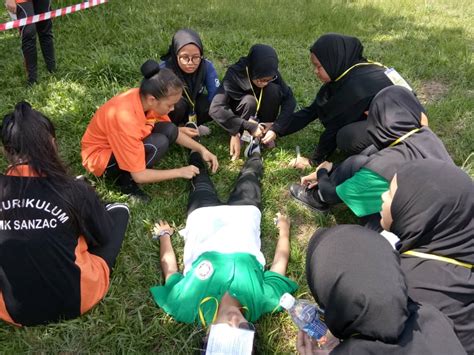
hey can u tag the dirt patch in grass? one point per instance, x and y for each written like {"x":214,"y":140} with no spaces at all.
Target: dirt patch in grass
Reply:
{"x":431,"y":91}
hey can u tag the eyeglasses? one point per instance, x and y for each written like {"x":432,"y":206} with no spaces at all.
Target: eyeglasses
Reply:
{"x":184,"y":59}
{"x":266,"y":80}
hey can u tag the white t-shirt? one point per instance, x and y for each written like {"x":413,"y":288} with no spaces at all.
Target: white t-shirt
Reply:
{"x":224,"y":229}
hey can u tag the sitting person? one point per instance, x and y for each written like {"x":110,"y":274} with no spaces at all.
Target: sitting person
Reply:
{"x":185,"y":58}
{"x":430,"y":207}
{"x":58,"y":243}
{"x":252,"y":92}
{"x":350,"y":82}
{"x":397,"y":127}
{"x":223,"y":281}
{"x":130,"y":133}
{"x":355,"y":276}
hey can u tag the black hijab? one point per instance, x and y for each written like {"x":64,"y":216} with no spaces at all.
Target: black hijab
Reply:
{"x":394,"y":112}
{"x":355,"y":275}
{"x":262,"y":61}
{"x":193,"y":81}
{"x":433,"y":210}
{"x":337,"y":53}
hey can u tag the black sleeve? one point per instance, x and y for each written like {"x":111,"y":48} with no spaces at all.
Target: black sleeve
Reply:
{"x":287,"y":106}
{"x":95,"y":223}
{"x":296,"y":121}
{"x":326,"y":188}
{"x":221,"y":112}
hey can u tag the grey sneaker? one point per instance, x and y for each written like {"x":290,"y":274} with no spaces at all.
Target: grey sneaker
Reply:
{"x":253,"y":147}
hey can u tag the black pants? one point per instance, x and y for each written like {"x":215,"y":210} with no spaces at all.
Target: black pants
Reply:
{"x":156,"y":145}
{"x":28,"y":37}
{"x":247,"y":189}
{"x":269,"y":108}
{"x":120,"y":215}
{"x":353,"y":138}
{"x":182,"y":109}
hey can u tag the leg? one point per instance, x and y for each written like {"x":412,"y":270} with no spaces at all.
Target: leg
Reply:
{"x":347,"y":169}
{"x":28,"y":40}
{"x":120,"y":215}
{"x":203,"y":192}
{"x":270,"y":106}
{"x":157,"y":143}
{"x":45,"y":34}
{"x":202,"y":109}
{"x":179,"y":116}
{"x":353,"y":138}
{"x":247,"y":190}
{"x":246,"y":108}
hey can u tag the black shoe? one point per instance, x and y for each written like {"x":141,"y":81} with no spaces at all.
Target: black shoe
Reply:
{"x":307,"y":198}
{"x":136,"y":194}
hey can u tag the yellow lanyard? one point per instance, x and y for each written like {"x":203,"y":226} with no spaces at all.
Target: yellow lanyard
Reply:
{"x":405,"y":136}
{"x":201,"y":315}
{"x":437,"y":257}
{"x":369,"y":62}
{"x":259,"y":100}
{"x":189,"y":99}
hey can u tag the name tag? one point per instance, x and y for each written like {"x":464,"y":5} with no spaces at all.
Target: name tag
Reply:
{"x":396,"y":78}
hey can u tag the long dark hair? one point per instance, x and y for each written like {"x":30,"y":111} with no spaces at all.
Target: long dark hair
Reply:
{"x":28,"y":137}
{"x":158,"y":82}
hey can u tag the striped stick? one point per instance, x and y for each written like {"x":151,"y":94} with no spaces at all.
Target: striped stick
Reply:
{"x":50,"y":14}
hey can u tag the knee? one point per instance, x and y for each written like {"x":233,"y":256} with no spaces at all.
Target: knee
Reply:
{"x":249,"y":104}
{"x":28,"y":33}
{"x":272,"y":92}
{"x":178,"y":115}
{"x":343,"y":139}
{"x":167,"y":129}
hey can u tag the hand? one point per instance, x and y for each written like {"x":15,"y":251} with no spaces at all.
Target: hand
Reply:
{"x":234,"y":148}
{"x":325,"y":165}
{"x":191,"y":132}
{"x":282,"y":221}
{"x":309,"y":181}
{"x":188,"y":172}
{"x":300,"y":163}
{"x":270,"y":136}
{"x":211,"y":159}
{"x":162,"y":228}
{"x":259,"y":131}
{"x":11,"y":6}
{"x":307,"y":346}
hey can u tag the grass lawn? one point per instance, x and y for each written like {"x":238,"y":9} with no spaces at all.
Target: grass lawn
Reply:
{"x":99,"y":52}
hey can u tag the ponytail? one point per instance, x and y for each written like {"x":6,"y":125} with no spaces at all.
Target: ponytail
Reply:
{"x":158,"y":82}
{"x":28,"y":137}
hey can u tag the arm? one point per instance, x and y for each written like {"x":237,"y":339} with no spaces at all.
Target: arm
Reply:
{"x":154,"y":175}
{"x":168,"y":262}
{"x":288,"y":104}
{"x":297,"y":120}
{"x":212,"y":81}
{"x":282,"y":251}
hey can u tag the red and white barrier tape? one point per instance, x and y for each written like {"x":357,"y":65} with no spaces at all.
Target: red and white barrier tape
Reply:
{"x":50,"y":14}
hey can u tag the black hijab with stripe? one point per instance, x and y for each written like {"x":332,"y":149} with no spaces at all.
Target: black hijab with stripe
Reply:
{"x":355,"y":276}
{"x":394,"y":112}
{"x":194,"y":81}
{"x":433,"y":212}
{"x":337,"y":53}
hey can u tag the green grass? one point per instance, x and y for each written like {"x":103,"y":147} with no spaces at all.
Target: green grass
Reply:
{"x":99,"y":52}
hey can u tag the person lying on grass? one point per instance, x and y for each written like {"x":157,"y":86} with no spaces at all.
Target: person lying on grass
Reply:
{"x":224,"y":281}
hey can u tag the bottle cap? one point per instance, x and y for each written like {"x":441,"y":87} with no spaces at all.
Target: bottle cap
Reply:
{"x":287,"y":301}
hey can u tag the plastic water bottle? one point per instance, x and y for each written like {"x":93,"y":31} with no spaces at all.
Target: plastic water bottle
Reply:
{"x":309,"y":318}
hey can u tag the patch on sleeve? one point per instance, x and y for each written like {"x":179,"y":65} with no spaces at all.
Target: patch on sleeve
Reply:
{"x":204,"y":270}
